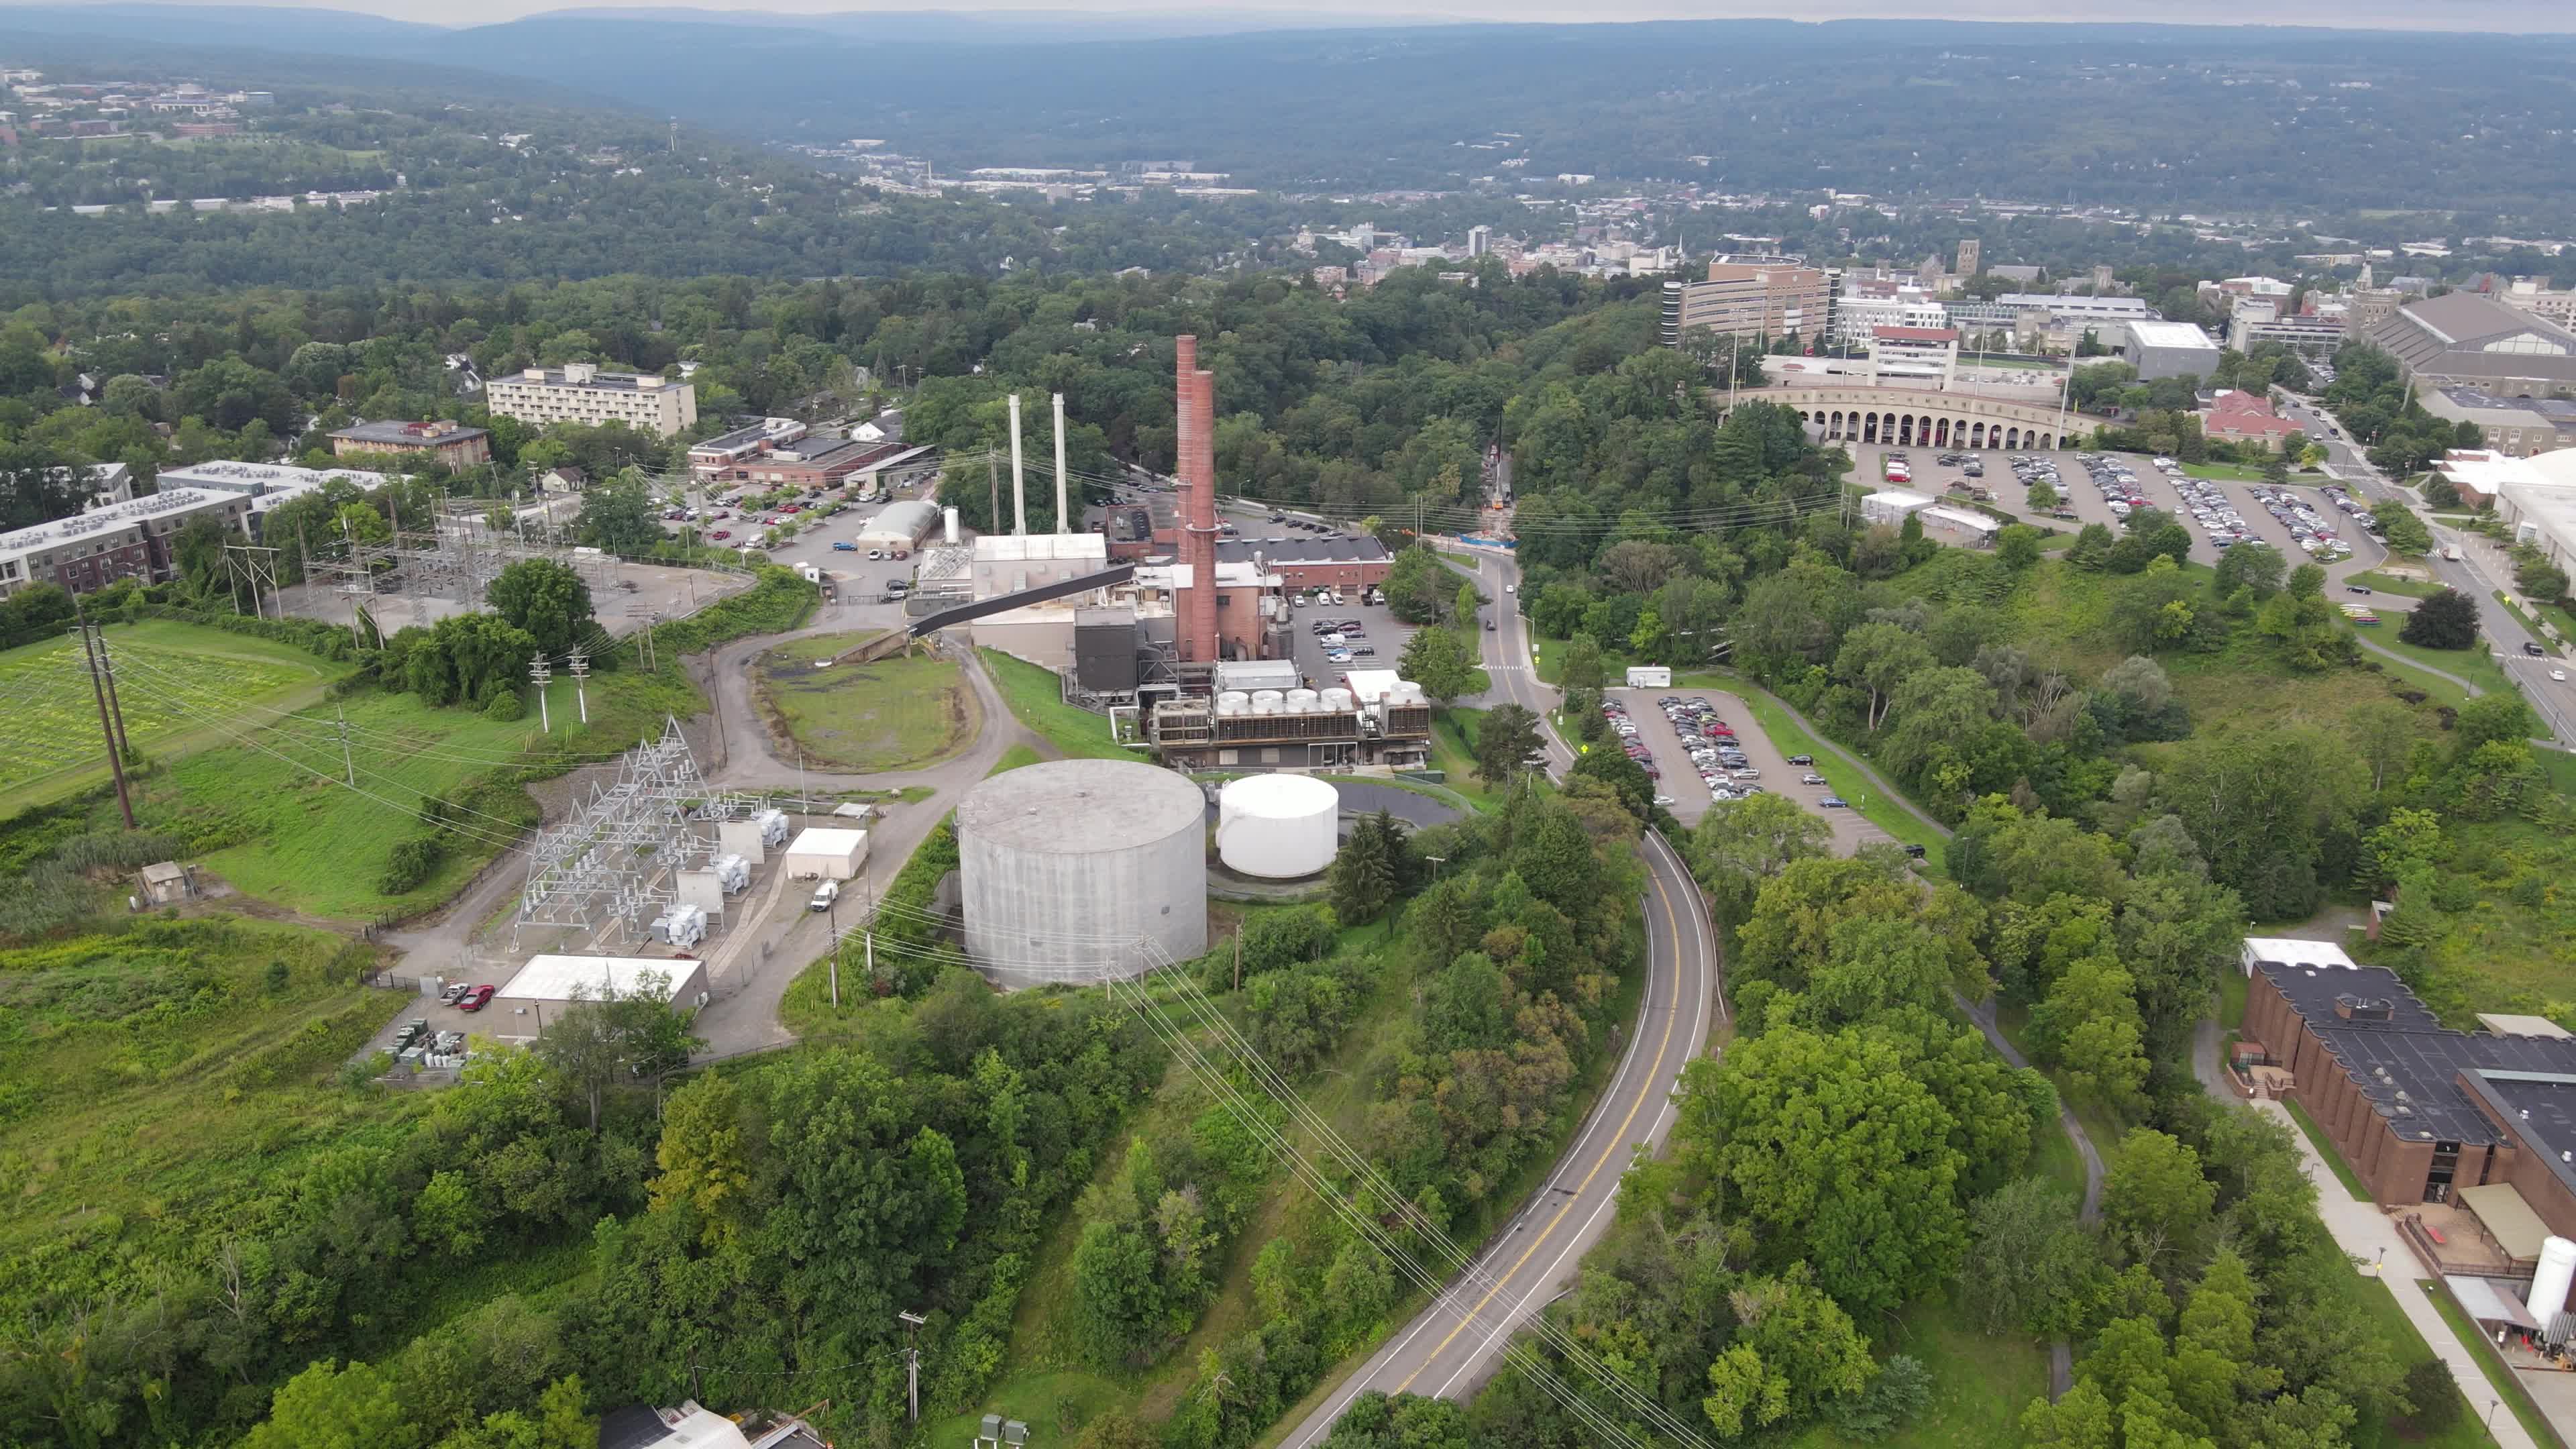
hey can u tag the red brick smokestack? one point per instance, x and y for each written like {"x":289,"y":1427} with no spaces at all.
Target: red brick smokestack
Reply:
{"x":1196,"y":392}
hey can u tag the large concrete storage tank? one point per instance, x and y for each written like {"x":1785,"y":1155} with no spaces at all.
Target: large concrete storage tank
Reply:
{"x":1063,"y":867}
{"x":1278,"y":827}
{"x":2549,"y":1284}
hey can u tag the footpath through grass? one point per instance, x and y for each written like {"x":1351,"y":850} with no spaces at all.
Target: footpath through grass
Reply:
{"x":2326,"y":1149}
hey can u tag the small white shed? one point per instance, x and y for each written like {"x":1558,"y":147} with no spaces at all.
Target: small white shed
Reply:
{"x":827,"y":854}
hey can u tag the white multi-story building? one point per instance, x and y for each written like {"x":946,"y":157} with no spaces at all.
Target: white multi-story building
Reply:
{"x":128,"y":540}
{"x":580,"y":393}
{"x":1913,"y":355}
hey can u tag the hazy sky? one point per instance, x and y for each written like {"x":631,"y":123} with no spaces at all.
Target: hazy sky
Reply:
{"x":2456,"y":15}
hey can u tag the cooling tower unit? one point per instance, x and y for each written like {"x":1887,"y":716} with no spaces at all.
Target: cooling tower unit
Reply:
{"x":1065,"y":867}
{"x":1278,"y":827}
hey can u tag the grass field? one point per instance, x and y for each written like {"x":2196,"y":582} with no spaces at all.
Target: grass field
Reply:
{"x":165,"y":670}
{"x":2375,"y":1300}
{"x":1036,"y":699}
{"x":2475,"y":665}
{"x":895,"y":714}
{"x":159,"y":1079}
{"x":2388,"y":584}
{"x":1980,"y":1385}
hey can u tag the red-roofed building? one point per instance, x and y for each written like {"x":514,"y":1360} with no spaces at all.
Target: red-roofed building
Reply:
{"x":2244,"y":417}
{"x":1913,"y":355}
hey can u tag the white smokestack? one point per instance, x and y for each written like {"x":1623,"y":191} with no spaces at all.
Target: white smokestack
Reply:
{"x":1063,"y":521}
{"x":1019,"y":480}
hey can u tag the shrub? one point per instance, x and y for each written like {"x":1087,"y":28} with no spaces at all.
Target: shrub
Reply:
{"x":411,"y":863}
{"x":505,"y":706}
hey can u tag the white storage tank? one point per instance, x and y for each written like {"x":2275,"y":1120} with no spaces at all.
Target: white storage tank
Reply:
{"x":1277,"y":827}
{"x":1267,"y":701}
{"x":1404,"y":692}
{"x":1231,"y":704}
{"x":1303,"y":701}
{"x":1064,"y":867}
{"x":2550,"y":1283}
{"x":1335,"y":701}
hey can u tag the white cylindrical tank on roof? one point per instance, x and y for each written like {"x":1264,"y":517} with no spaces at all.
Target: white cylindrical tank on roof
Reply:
{"x":2550,"y":1284}
{"x":1229,"y":705}
{"x":1267,"y":701}
{"x":1303,"y":701}
{"x":1067,"y":869}
{"x":1278,"y":827}
{"x":1335,"y":701}
{"x":1404,"y":692}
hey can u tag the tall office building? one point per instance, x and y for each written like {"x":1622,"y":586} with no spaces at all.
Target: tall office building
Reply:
{"x":1748,"y":297}
{"x":1480,"y":240}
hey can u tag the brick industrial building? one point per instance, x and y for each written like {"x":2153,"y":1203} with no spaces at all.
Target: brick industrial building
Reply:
{"x":2422,"y":1113}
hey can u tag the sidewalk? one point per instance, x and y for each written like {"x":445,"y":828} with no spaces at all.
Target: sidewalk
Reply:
{"x":2363,"y":1231}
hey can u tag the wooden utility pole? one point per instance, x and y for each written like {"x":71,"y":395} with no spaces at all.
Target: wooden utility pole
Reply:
{"x":993,"y":489}
{"x":106,"y":732}
{"x":1238,"y":960}
{"x":115,"y":709}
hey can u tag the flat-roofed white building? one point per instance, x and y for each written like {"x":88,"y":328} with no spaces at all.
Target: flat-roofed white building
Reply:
{"x":579,"y":392}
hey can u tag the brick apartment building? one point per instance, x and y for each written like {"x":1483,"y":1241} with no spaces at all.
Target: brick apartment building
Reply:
{"x":2421,"y":1112}
{"x":451,"y":443}
{"x":129,"y":540}
{"x":1748,"y":297}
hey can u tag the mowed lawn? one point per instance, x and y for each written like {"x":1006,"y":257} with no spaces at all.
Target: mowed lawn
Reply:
{"x":171,"y":677}
{"x":895,"y":714}
{"x":1036,"y":698}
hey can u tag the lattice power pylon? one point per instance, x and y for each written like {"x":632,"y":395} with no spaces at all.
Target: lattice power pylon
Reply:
{"x":616,"y":863}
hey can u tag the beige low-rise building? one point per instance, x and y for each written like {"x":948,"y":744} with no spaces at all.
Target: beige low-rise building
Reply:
{"x":578,"y":392}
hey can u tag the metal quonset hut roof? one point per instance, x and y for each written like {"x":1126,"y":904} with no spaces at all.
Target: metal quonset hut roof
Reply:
{"x":902,"y":524}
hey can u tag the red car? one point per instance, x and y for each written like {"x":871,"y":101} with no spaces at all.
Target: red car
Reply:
{"x":721,"y":533}
{"x":903,"y":553}
{"x":475,"y":1000}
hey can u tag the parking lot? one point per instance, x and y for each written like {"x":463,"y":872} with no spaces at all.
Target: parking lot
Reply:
{"x":1380,"y":633}
{"x":2081,"y":495}
{"x":1690,"y":795}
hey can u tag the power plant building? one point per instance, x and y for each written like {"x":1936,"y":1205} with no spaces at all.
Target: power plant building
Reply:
{"x":1082,"y":870}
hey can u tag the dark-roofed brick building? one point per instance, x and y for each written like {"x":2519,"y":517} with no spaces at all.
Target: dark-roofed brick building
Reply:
{"x":1339,"y":561}
{"x":2421,"y":1112}
{"x":451,"y":443}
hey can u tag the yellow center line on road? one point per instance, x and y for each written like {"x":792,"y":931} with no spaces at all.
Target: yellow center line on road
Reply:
{"x":1672,"y":929}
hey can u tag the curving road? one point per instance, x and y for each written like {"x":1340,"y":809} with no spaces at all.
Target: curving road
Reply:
{"x":1454,"y":1344}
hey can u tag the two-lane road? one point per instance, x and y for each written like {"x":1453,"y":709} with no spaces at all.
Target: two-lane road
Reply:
{"x":1457,"y":1342}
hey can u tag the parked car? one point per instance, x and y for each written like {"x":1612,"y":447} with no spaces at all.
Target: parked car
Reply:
{"x":2532,"y":648}
{"x":1802,"y":759}
{"x":901,"y":554}
{"x":824,"y":894}
{"x":1811,"y":778}
{"x":2356,"y":588}
{"x":476,"y":999}
{"x":721,"y":533}
{"x":454,"y":993}
{"x":1834,"y":802}
{"x":843,"y":545}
